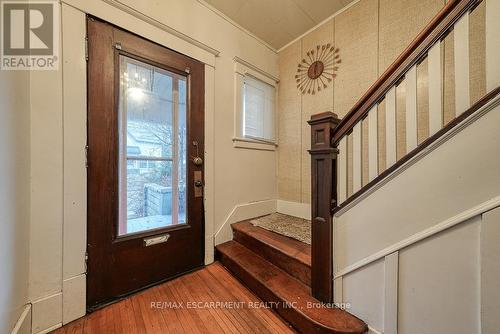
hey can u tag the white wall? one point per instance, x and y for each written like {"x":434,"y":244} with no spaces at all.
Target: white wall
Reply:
{"x":422,"y":248}
{"x":235,"y":177}
{"x":14,"y":196}
{"x":46,"y":228}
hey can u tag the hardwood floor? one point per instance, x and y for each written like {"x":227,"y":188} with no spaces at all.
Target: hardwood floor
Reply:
{"x":192,"y":309}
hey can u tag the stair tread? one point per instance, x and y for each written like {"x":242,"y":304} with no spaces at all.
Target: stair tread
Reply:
{"x":290,"y":290}
{"x":288,"y":246}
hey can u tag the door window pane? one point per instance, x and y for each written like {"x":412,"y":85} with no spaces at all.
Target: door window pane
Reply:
{"x":153,"y":139}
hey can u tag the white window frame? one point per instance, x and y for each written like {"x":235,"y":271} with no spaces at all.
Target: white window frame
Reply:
{"x":242,"y":70}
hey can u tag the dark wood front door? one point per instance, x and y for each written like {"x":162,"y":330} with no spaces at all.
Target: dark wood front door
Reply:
{"x":145,"y":172}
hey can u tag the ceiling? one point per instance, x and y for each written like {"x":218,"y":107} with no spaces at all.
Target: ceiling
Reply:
{"x":278,"y":22}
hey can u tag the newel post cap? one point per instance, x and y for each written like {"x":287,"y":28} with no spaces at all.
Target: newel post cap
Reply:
{"x":324,"y":117}
{"x":322,"y":127}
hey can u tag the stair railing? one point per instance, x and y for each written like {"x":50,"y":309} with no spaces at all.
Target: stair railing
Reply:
{"x":329,"y":150}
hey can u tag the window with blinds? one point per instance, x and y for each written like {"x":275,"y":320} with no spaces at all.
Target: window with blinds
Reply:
{"x":258,"y":110}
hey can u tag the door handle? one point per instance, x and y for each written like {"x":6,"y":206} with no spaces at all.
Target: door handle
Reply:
{"x":197,"y":160}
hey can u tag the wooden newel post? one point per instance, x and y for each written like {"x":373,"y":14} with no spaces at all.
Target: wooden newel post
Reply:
{"x":323,"y":199}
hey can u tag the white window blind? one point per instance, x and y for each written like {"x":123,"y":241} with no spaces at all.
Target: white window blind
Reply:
{"x":258,"y":110}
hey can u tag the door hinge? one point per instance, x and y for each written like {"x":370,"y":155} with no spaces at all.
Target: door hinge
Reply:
{"x":86,"y":260}
{"x":86,"y":48}
{"x":86,"y":156}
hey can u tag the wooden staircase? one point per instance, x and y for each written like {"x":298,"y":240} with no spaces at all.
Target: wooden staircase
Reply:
{"x":278,"y":270}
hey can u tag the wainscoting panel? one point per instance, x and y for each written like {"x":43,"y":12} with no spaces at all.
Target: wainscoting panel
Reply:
{"x":437,"y":279}
{"x":439,"y":282}
{"x":490,"y":271}
{"x":391,"y":293}
{"x":47,"y":314}
{"x":363,"y":289}
{"x":74,"y":298}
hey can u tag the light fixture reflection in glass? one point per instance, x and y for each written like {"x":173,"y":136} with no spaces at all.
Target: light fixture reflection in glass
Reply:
{"x":136,"y":93}
{"x":138,"y":83}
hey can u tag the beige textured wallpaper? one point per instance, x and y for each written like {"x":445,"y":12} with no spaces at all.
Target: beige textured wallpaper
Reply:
{"x":322,"y":100}
{"x":369,"y":35}
{"x":356,"y":37}
{"x":289,"y":126}
{"x":400,"y":23}
{"x":477,"y":49}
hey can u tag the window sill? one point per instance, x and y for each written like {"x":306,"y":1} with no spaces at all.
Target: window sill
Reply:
{"x":253,"y":144}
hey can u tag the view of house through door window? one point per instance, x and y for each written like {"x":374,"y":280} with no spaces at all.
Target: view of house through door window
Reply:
{"x":153,"y":135}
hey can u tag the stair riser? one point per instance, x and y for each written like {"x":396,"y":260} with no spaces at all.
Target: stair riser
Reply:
{"x":292,"y":316}
{"x":292,"y":266}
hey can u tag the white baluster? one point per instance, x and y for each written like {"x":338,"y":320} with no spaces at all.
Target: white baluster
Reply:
{"x":372,"y":143}
{"x":356,"y":157}
{"x":390,"y":126}
{"x":411,"y":109}
{"x":435,"y":70}
{"x":342,"y":171}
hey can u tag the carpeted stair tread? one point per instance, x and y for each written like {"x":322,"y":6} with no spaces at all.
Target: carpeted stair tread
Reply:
{"x":290,"y":226}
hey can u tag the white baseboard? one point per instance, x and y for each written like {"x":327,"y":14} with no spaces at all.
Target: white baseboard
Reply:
{"x":372,"y":330}
{"x":23,"y":324}
{"x":301,"y":210}
{"x":242,"y":212}
{"x":47,"y":314}
{"x":74,"y":298}
{"x":50,"y":329}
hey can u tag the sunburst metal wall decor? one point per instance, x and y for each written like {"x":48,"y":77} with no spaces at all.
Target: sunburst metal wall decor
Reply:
{"x":318,"y":69}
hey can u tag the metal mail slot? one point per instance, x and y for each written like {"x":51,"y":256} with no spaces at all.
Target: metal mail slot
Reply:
{"x":156,"y":240}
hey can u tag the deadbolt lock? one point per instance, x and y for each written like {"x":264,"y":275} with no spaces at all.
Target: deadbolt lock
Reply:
{"x":198,"y":184}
